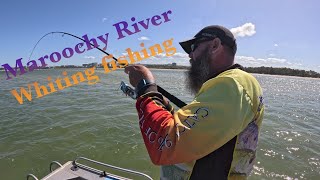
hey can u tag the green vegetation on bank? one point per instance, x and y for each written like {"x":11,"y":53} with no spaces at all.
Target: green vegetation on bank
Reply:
{"x":282,"y":71}
{"x":258,"y":70}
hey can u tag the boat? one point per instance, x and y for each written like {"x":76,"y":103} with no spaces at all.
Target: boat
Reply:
{"x":73,"y":170}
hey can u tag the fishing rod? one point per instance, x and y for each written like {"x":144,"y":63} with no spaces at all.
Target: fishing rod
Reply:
{"x":124,"y":87}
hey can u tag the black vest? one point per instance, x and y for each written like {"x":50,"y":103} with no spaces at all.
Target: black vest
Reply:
{"x":216,"y":165}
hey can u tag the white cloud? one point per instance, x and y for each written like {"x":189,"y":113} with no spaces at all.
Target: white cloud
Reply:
{"x":179,"y":58}
{"x":89,"y":57}
{"x":104,"y":19}
{"x":247,"y":61}
{"x":248,"y":29}
{"x":275,"y":45}
{"x":162,"y":58}
{"x":143,"y":38}
{"x":178,"y":55}
{"x":250,"y":61}
{"x":271,"y":54}
{"x":276,"y":60}
{"x":181,"y":55}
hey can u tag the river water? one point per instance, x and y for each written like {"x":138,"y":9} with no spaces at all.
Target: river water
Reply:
{"x":99,"y":122}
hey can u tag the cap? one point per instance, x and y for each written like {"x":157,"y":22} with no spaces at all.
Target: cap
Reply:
{"x":224,"y":34}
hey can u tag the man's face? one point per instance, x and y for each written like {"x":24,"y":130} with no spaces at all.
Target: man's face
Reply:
{"x":200,"y":68}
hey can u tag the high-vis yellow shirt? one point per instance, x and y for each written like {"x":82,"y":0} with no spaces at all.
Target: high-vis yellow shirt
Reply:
{"x":215,"y":136}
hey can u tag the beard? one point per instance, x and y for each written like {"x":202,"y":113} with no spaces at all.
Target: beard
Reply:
{"x":198,"y":73}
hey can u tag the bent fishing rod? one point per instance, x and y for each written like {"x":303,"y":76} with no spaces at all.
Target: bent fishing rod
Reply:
{"x":124,"y":87}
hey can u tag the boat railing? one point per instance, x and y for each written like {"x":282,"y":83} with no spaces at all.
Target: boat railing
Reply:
{"x":76,"y":165}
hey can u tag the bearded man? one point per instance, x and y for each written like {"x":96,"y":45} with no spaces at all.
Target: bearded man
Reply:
{"x":216,"y":135}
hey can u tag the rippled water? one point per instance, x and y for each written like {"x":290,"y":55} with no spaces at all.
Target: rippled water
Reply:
{"x":98,"y":122}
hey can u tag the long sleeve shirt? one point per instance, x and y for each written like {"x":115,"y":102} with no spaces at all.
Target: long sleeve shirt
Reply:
{"x":226,"y":113}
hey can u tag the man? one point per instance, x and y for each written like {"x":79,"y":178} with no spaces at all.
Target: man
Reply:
{"x":216,"y":135}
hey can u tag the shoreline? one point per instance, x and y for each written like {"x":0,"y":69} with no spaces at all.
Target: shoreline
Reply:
{"x":166,"y":69}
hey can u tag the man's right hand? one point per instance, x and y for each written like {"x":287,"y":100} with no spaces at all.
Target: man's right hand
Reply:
{"x":137,"y":73}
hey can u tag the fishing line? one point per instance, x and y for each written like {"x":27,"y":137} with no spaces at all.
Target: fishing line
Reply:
{"x":165,"y":93}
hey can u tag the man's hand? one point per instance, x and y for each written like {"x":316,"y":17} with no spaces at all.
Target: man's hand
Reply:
{"x":137,"y":73}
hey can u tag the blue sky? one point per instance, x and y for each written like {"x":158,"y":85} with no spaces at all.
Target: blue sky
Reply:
{"x":278,"y":33}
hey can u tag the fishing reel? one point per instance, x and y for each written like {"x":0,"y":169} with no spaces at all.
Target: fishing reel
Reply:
{"x":127,"y":90}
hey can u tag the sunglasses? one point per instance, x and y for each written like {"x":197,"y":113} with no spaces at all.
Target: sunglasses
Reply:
{"x":197,"y":42}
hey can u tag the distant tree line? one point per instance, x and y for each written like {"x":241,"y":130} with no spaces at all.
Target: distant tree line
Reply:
{"x":165,"y":66}
{"x":282,"y":71}
{"x":258,"y":70}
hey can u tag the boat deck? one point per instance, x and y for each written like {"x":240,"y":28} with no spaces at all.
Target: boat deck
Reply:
{"x":72,"y":170}
{"x":68,"y":171}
